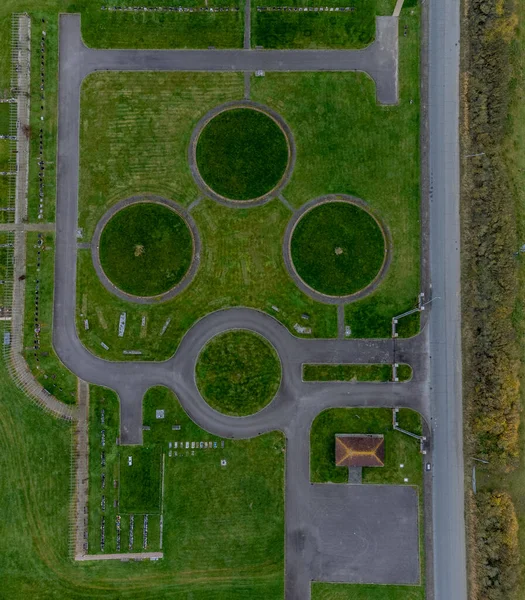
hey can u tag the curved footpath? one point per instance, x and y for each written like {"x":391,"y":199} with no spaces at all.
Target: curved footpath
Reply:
{"x":297,"y":402}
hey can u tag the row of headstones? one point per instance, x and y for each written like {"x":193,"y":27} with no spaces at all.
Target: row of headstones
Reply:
{"x":179,"y":9}
{"x":305,"y":9}
{"x":41,"y":163}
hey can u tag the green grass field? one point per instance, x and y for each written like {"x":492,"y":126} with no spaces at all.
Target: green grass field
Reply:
{"x":140,"y":481}
{"x":375,"y":157}
{"x":146,"y":249}
{"x":341,"y":591}
{"x":242,"y":154}
{"x":4,"y":118}
{"x":235,"y":513}
{"x":135,"y":130}
{"x":232,"y":563}
{"x":238,"y":373}
{"x":289,"y":29}
{"x":43,"y":362}
{"x":241,"y":265}
{"x":4,"y":155}
{"x":348,"y":372}
{"x":337,"y":248}
{"x":400,"y":448}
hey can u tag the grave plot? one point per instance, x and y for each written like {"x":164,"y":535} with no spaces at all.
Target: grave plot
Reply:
{"x":204,"y":501}
{"x":306,"y":24}
{"x":38,"y":347}
{"x":154,"y":24}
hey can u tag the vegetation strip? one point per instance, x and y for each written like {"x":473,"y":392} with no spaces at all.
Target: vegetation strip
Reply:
{"x":355,"y":372}
{"x":492,"y":277}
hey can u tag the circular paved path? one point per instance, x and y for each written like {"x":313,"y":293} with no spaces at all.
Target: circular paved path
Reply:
{"x":301,"y":284}
{"x":192,"y":154}
{"x":176,"y":289}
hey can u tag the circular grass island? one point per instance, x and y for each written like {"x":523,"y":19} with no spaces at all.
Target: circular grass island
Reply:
{"x":146,"y":249}
{"x":337,"y":248}
{"x":242,"y":154}
{"x":238,"y":373}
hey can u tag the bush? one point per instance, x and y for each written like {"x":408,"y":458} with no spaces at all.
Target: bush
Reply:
{"x":489,"y":239}
{"x":497,"y":550}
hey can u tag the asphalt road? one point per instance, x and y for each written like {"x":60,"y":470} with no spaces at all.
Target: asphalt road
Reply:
{"x":297,"y":403}
{"x":444,"y":325}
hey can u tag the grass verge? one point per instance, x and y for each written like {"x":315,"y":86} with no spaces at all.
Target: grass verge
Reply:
{"x":348,"y":372}
{"x":238,"y":373}
{"x":341,"y":591}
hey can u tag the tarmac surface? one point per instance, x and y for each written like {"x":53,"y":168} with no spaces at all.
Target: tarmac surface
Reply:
{"x":297,"y":403}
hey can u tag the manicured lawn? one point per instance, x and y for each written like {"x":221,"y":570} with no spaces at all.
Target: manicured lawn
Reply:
{"x":241,"y":265}
{"x":235,"y":513}
{"x":238,"y":373}
{"x":146,"y":249}
{"x":4,"y":118}
{"x":117,"y":29}
{"x":135,"y":131}
{"x":314,"y":29}
{"x":43,"y":362}
{"x":4,"y":155}
{"x":289,"y":29}
{"x":337,"y":248}
{"x":242,"y":154}
{"x":341,"y":591}
{"x":140,"y":480}
{"x":348,"y":372}
{"x":227,"y":523}
{"x":347,"y":143}
{"x":399,"y":448}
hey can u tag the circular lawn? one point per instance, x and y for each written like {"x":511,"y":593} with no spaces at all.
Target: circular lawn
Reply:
{"x":238,"y":373}
{"x":146,"y":249}
{"x":242,"y":154}
{"x":337,"y":248}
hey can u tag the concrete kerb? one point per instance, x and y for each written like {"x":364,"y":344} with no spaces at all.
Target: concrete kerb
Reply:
{"x":192,"y":154}
{"x":176,"y":289}
{"x":301,"y":284}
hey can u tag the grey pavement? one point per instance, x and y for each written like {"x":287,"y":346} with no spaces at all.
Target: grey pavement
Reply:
{"x":444,"y":324}
{"x":379,"y":60}
{"x":365,"y":533}
{"x":297,"y":403}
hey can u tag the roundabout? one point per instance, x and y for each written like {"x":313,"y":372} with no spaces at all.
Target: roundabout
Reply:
{"x":238,"y":373}
{"x":146,"y":249}
{"x":242,"y":154}
{"x":336,"y":250}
